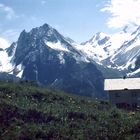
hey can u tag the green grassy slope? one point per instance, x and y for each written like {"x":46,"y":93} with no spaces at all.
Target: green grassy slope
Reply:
{"x":31,"y":113}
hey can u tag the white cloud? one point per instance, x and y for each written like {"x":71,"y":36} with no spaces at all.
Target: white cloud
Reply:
{"x":10,"y":13}
{"x":4,"y":43}
{"x":123,"y":12}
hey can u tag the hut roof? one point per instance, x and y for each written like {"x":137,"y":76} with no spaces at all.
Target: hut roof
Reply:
{"x":122,"y":84}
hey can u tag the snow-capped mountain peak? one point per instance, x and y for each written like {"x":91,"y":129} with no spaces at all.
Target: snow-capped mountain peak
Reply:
{"x":118,"y":51}
{"x":128,"y":51}
{"x":46,"y":56}
{"x":97,"y":47}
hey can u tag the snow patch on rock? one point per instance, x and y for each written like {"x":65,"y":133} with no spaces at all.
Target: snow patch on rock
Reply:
{"x":57,"y":46}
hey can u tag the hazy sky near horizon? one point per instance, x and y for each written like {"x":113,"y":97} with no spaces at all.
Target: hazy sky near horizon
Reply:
{"x":77,"y":19}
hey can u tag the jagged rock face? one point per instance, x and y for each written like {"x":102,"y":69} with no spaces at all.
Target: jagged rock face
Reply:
{"x":48,"y":58}
{"x":34,"y":43}
{"x":82,"y":78}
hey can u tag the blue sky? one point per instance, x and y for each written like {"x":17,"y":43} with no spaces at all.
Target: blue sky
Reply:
{"x":78,"y":19}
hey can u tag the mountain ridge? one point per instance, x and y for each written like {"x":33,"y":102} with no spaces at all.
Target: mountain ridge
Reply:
{"x":46,"y":56}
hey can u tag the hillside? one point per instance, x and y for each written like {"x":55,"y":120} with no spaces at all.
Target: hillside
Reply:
{"x":28,"y":112}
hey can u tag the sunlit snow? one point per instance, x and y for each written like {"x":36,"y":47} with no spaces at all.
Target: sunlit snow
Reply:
{"x":133,"y":73}
{"x":57,"y":46}
{"x":5,"y":64}
{"x":20,"y":70}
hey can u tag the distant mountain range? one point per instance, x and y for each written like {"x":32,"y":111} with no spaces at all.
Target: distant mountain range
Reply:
{"x":47,"y":57}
